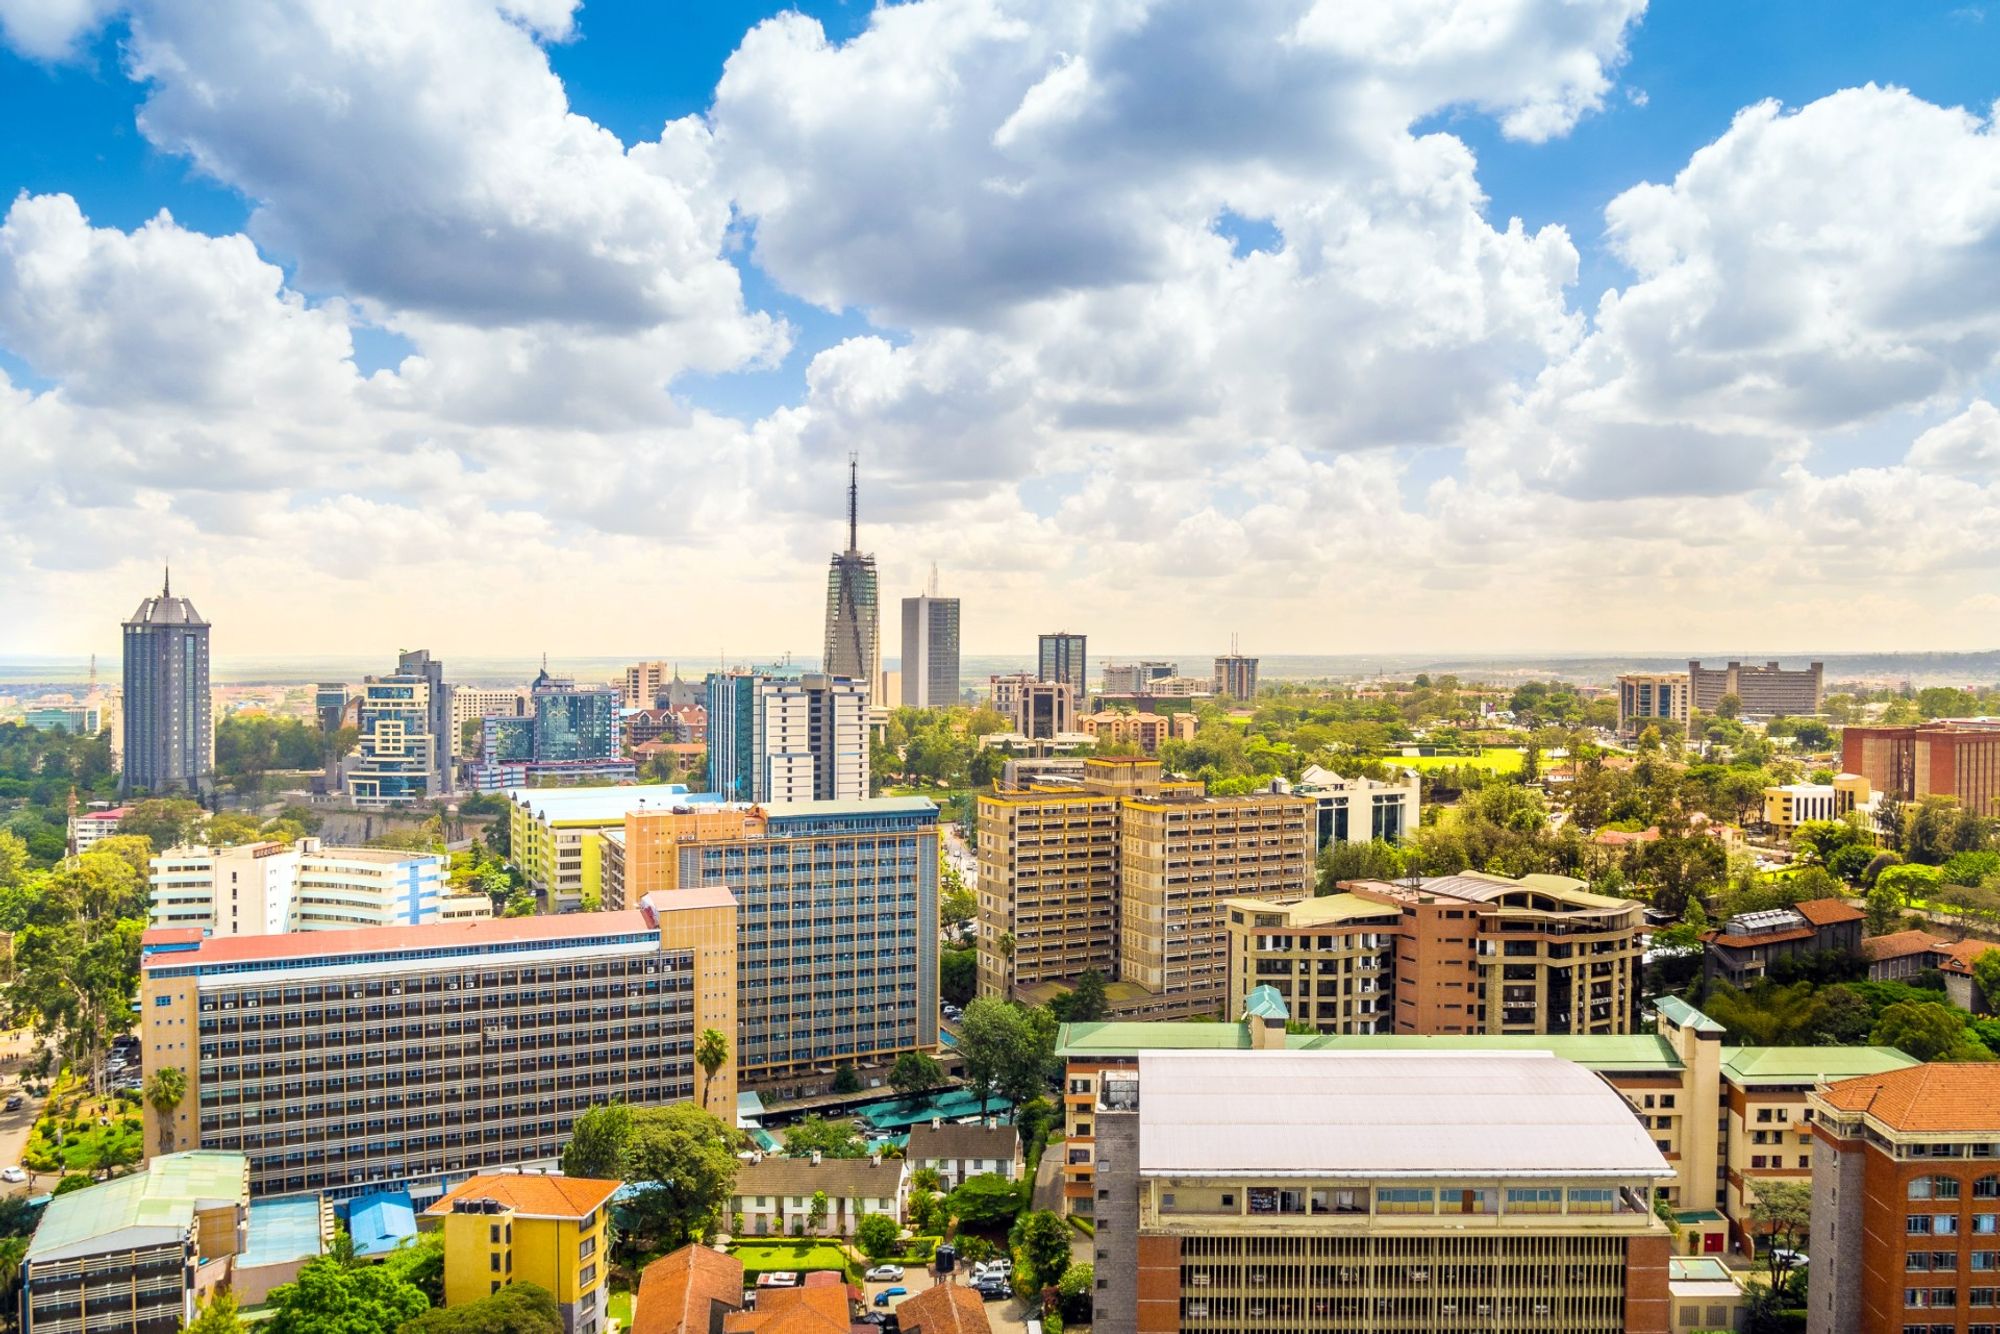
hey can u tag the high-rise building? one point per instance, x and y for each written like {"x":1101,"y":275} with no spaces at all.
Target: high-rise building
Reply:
{"x":775,"y":738}
{"x":1385,"y":1192}
{"x":1766,"y":691}
{"x":567,"y":735}
{"x":853,"y":605}
{"x":1062,"y":656}
{"x":169,"y":729}
{"x":1906,"y":1202}
{"x":930,"y":650}
{"x":836,"y":914}
{"x":330,"y":704}
{"x":1236,"y":676}
{"x":1644,"y":697}
{"x":1040,"y":709}
{"x":475,"y":704}
{"x":1136,"y":678}
{"x":1125,"y":872}
{"x":405,"y":748}
{"x":645,"y":682}
{"x":271,"y":888}
{"x":410,"y":1057}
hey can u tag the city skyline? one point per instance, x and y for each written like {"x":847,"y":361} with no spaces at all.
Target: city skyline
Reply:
{"x":1499,"y":344}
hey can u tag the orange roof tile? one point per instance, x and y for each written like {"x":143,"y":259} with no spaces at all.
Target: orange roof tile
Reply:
{"x":794,"y":1311}
{"x":1751,"y":942}
{"x":1901,"y":945}
{"x":538,"y":1195}
{"x":944,"y":1310}
{"x":1935,"y":1098}
{"x":1963,"y":954}
{"x":677,"y":1292}
{"x":1825,"y":912}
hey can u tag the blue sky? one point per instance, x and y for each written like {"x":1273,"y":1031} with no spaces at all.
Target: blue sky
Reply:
{"x":966,"y":249}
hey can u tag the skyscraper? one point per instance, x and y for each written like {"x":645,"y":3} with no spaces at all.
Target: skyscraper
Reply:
{"x":930,"y":649}
{"x":567,"y":735}
{"x":169,"y":729}
{"x":1062,"y":658}
{"x":787,"y":739}
{"x":853,"y":605}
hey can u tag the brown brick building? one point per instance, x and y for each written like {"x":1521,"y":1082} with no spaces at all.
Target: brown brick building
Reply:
{"x":1957,"y":757}
{"x":1906,"y":1203}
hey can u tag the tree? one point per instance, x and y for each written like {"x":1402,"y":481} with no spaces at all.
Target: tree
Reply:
{"x":1929,"y":1031}
{"x":164,"y":1092}
{"x":991,"y":1039}
{"x":74,"y":1181}
{"x":518,"y":1308}
{"x":1781,"y":1214}
{"x":877,"y":1235}
{"x":987,"y":1199}
{"x":816,"y":1212}
{"x":333,"y":1295}
{"x":1908,"y":883}
{"x":231,"y":829}
{"x":1083,"y":1004}
{"x":1986,"y":974}
{"x":845,"y":1080}
{"x":958,"y":975}
{"x":597,"y":1141}
{"x":1729,"y":706}
{"x":829,"y":1139}
{"x":956,"y":901}
{"x":1074,"y":1291}
{"x":915,"y":1072}
{"x":419,"y":1261}
{"x":217,"y":1316}
{"x":1040,"y":1241}
{"x":1884,"y":909}
{"x":687,"y":1160}
{"x":166,"y":822}
{"x":711,"y":1050}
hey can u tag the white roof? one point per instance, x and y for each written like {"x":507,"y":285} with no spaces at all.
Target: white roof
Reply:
{"x":1376,"y":1114}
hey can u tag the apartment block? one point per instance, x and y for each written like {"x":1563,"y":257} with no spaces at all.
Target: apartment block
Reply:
{"x":1954,"y":757}
{"x":775,"y":738}
{"x":1470,"y":953}
{"x":475,"y":704}
{"x":1040,"y":710}
{"x":1764,"y":690}
{"x":837,"y":923}
{"x":1648,"y":697}
{"x":270,"y":888}
{"x":1395,"y":1192}
{"x":87,"y":826}
{"x":133,"y":1255}
{"x":1906,"y":1203}
{"x":1725,"y":1118}
{"x":1236,"y":677}
{"x":540,"y":1228}
{"x":1147,"y":731}
{"x":1048,"y":887}
{"x":411,"y":1057}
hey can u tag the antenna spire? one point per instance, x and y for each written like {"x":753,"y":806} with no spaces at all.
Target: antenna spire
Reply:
{"x":167,"y":582}
{"x":853,"y":499}
{"x":934,"y":579}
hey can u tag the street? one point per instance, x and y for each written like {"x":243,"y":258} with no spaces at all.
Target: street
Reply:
{"x":15,"y":1125}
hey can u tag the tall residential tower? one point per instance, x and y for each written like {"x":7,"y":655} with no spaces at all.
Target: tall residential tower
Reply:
{"x":853,"y":606}
{"x":169,"y":729}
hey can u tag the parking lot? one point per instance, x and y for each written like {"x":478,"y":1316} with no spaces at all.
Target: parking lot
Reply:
{"x":1007,"y":1316}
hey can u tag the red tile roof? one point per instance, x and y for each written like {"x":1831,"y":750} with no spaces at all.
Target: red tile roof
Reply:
{"x":678,"y":1292}
{"x":1901,"y":945}
{"x":539,"y":1195}
{"x":1766,"y":938}
{"x":1826,"y":912}
{"x":944,"y":1310}
{"x":1935,"y":1098}
{"x":1961,"y":955}
{"x":799,"y":1310}
{"x":394,"y":939}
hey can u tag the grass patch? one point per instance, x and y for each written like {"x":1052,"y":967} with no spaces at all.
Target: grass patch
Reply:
{"x":619,"y":1307}
{"x":83,"y":1134}
{"x":1498,"y":760}
{"x":769,"y":1257}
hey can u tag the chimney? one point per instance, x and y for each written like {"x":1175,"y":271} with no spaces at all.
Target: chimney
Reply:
{"x":815,"y":1157}
{"x":937,"y":1123}
{"x":874,"y":1157}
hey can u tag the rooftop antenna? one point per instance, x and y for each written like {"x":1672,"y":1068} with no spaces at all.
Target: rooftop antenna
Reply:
{"x":934,"y":579}
{"x":167,"y":582}
{"x":853,"y":499}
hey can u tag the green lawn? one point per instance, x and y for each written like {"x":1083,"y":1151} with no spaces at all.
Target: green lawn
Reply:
{"x":1499,"y":760}
{"x":764,"y":1257}
{"x":86,"y":1145}
{"x":619,"y":1307}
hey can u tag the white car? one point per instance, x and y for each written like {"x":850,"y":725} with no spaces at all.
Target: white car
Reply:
{"x":884,"y":1274}
{"x":12,"y":1174}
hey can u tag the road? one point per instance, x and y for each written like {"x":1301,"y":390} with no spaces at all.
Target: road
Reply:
{"x":15,"y":1125}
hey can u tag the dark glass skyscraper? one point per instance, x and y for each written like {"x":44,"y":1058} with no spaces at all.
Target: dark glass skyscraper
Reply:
{"x":169,"y":729}
{"x":853,"y":606}
{"x":1063,"y":658}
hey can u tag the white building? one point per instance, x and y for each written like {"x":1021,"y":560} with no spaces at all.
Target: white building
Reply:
{"x":811,"y":739}
{"x":774,"y":1195}
{"x":469,"y":703}
{"x":86,"y":827}
{"x":956,"y":1152}
{"x":1358,"y":810}
{"x":261,"y":889}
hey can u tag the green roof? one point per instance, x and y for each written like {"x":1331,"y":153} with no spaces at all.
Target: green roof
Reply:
{"x":1266,"y":1003}
{"x":1684,"y":1015}
{"x":1130,"y":1037}
{"x":164,"y":1196}
{"x":1806,"y":1065}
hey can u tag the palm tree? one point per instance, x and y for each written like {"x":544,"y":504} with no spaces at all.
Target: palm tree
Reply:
{"x":164,"y":1091}
{"x":710,"y":1051}
{"x":13,"y":1251}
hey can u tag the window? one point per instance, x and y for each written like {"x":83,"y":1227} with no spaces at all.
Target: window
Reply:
{"x":1934,"y":1188}
{"x":586,"y":1276}
{"x":1534,"y":1200}
{"x":493,"y":1261}
{"x":1591,"y":1200}
{"x":1405,"y":1200}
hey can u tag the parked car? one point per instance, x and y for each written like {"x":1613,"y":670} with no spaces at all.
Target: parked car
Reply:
{"x":883,"y":1297}
{"x":12,"y":1174}
{"x":1003,"y":1267}
{"x":1796,"y":1259}
{"x":778,"y":1279}
{"x":993,"y":1289}
{"x":884,"y":1274}
{"x":14,"y":1101}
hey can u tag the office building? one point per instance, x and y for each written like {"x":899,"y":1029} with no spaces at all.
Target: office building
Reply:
{"x":544,"y":1229}
{"x":1906,"y":1202}
{"x":74,"y":719}
{"x":1359,"y":809}
{"x":330,"y":705}
{"x":557,"y":834}
{"x":853,"y":606}
{"x":1790,"y":805}
{"x":1125,"y":873}
{"x":169,"y":742}
{"x":837,"y":905}
{"x":1766,"y":691}
{"x":776,"y":738}
{"x":1146,"y":731}
{"x":1374,"y":1191}
{"x":930,"y":651}
{"x":409,"y":1057}
{"x":1038,"y":708}
{"x":136,"y":1254}
{"x":645,"y":682}
{"x":1648,"y":697}
{"x":567,"y":735}
{"x":1470,"y":953}
{"x":270,"y":888}
{"x":1236,"y":676}
{"x":1744,"y":948}
{"x":1672,"y":1076}
{"x":1063,"y":657}
{"x":1953,"y":757}
{"x":473,"y":704}
{"x":404,"y":753}
{"x":1136,"y":678}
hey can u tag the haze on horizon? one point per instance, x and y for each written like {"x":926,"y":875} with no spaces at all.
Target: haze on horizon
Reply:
{"x":502,"y":327}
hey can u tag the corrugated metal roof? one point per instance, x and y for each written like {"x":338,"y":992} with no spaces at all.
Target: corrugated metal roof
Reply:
{"x":1377,"y":1114}
{"x":162,"y":1199}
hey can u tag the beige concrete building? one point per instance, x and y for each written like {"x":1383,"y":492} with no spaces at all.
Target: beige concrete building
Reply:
{"x":1765,"y":690}
{"x":1647,"y":697}
{"x":1790,"y":805}
{"x":1038,"y":709}
{"x":1332,"y":959}
{"x":1048,"y":887}
{"x":1144,"y":730}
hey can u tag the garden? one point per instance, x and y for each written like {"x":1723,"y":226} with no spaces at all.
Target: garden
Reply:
{"x":777,"y":1257}
{"x":79,"y":1134}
